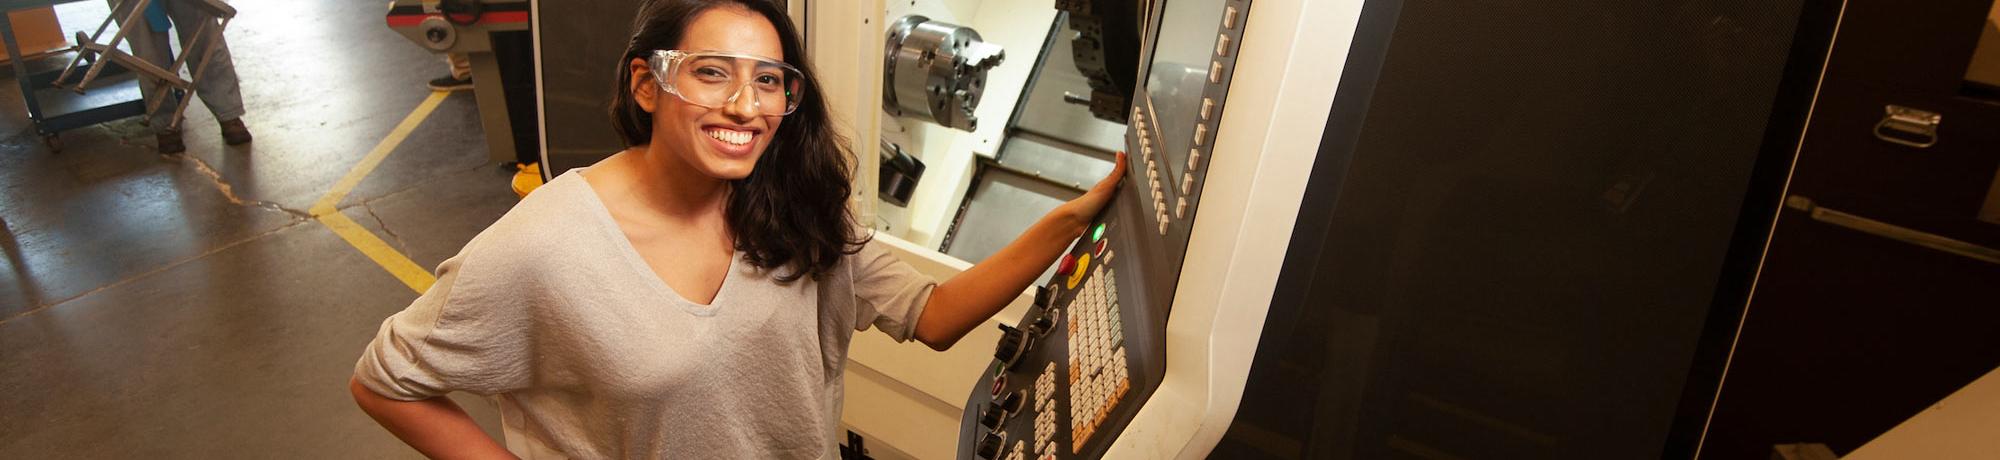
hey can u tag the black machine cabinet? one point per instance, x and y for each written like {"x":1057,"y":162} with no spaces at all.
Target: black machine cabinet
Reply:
{"x":1854,"y":330}
{"x":1532,"y":229}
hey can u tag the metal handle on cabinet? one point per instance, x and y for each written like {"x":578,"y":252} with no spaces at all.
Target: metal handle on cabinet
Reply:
{"x":1908,"y":126}
{"x":1891,"y":231}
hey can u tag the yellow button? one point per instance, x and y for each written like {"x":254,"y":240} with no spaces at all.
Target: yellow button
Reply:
{"x":1082,"y":267}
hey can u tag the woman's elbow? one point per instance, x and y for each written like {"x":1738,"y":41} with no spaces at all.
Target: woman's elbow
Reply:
{"x":363,"y":396}
{"x":939,"y":341}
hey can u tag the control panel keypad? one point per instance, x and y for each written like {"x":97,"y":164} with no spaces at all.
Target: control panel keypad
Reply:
{"x":1045,"y":411}
{"x":1099,"y":375}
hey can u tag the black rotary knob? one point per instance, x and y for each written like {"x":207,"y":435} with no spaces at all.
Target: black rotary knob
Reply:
{"x":989,"y":445}
{"x":1013,"y":402}
{"x":1044,"y":321}
{"x":1013,"y":344}
{"x":994,"y":415}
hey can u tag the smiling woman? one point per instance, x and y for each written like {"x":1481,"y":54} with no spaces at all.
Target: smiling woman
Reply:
{"x":708,"y":280}
{"x":684,"y":50}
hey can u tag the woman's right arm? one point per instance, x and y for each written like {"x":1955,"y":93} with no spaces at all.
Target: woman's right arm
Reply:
{"x":436,"y":427}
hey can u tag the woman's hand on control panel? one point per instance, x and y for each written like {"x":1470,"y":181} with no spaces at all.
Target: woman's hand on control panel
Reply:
{"x":965,"y":301}
{"x":1084,"y":208}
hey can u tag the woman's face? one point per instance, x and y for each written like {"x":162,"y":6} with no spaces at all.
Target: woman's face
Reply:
{"x":701,"y":137}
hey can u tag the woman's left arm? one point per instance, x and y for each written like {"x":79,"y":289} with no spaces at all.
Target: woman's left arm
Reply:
{"x":969,"y":298}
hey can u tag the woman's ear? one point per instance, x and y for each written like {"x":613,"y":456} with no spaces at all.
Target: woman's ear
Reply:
{"x":644,"y":90}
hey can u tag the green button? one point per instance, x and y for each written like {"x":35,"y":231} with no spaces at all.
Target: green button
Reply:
{"x":1097,"y":234}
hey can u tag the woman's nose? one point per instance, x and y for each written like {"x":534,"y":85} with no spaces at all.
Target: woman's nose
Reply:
{"x":741,"y":107}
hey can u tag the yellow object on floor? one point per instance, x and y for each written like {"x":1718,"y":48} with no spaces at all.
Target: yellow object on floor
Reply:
{"x":527,"y":179}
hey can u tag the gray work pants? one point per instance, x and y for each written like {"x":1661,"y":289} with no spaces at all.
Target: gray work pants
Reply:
{"x":217,"y":87}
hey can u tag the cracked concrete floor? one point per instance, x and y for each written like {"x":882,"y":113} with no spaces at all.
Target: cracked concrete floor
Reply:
{"x":184,"y":306}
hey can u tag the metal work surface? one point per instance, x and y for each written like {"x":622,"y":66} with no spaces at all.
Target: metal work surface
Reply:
{"x":1045,"y":110}
{"x":1007,"y":202}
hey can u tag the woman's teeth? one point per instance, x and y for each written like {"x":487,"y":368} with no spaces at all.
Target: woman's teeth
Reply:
{"x":730,"y":136}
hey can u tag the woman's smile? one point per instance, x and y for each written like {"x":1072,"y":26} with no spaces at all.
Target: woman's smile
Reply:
{"x":736,"y":142}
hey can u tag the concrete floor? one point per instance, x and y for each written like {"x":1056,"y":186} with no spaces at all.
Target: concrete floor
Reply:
{"x":156,"y":306}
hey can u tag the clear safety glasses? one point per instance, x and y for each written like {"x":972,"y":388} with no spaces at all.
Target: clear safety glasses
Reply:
{"x":715,"y":79}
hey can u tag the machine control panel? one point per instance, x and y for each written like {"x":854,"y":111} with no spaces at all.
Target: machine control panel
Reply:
{"x":1062,"y":377}
{"x":1073,"y":372}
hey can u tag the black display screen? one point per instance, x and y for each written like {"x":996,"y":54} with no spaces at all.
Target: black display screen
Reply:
{"x":1175,"y":80}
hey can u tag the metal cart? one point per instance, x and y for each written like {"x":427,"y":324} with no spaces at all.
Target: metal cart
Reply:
{"x":114,"y":95}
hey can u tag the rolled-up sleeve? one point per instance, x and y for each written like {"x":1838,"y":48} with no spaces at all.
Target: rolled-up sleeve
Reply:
{"x":464,"y":334}
{"x":891,"y":293}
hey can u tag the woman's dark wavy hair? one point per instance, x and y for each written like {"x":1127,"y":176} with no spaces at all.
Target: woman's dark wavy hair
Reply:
{"x":792,"y":209}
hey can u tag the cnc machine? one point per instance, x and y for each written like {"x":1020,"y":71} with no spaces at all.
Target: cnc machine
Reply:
{"x":1350,"y":229}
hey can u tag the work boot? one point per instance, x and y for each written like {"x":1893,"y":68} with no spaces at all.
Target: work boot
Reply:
{"x":451,"y":83}
{"x":170,"y":142}
{"x":234,"y":133}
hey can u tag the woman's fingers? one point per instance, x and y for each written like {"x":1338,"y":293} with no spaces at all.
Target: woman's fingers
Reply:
{"x":1110,"y":182}
{"x":1087,"y":206}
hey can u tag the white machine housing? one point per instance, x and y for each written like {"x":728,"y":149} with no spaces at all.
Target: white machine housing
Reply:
{"x":906,"y":399}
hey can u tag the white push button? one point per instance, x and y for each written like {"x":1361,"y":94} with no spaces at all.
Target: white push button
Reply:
{"x":1194,"y":159}
{"x":1215,"y":71}
{"x":1207,"y":108}
{"x":1187,"y":183}
{"x":1180,"y":208}
{"x":1200,"y":134}
{"x":1222,"y":45}
{"x":1229,"y":17}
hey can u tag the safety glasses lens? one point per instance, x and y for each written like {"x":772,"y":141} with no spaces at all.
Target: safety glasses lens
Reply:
{"x":716,"y":80}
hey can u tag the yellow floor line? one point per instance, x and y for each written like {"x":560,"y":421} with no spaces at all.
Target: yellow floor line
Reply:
{"x":327,"y":203}
{"x":411,"y":274}
{"x":327,"y":213}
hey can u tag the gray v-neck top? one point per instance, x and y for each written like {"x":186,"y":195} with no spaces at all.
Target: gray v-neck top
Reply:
{"x":591,"y":355}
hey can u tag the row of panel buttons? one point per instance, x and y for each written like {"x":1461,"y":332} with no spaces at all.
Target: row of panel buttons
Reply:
{"x":1201,"y":133}
{"x":1045,"y":411}
{"x":1099,"y":374}
{"x":1153,"y":183}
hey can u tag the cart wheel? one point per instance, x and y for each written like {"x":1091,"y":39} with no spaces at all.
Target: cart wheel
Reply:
{"x":53,"y":141}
